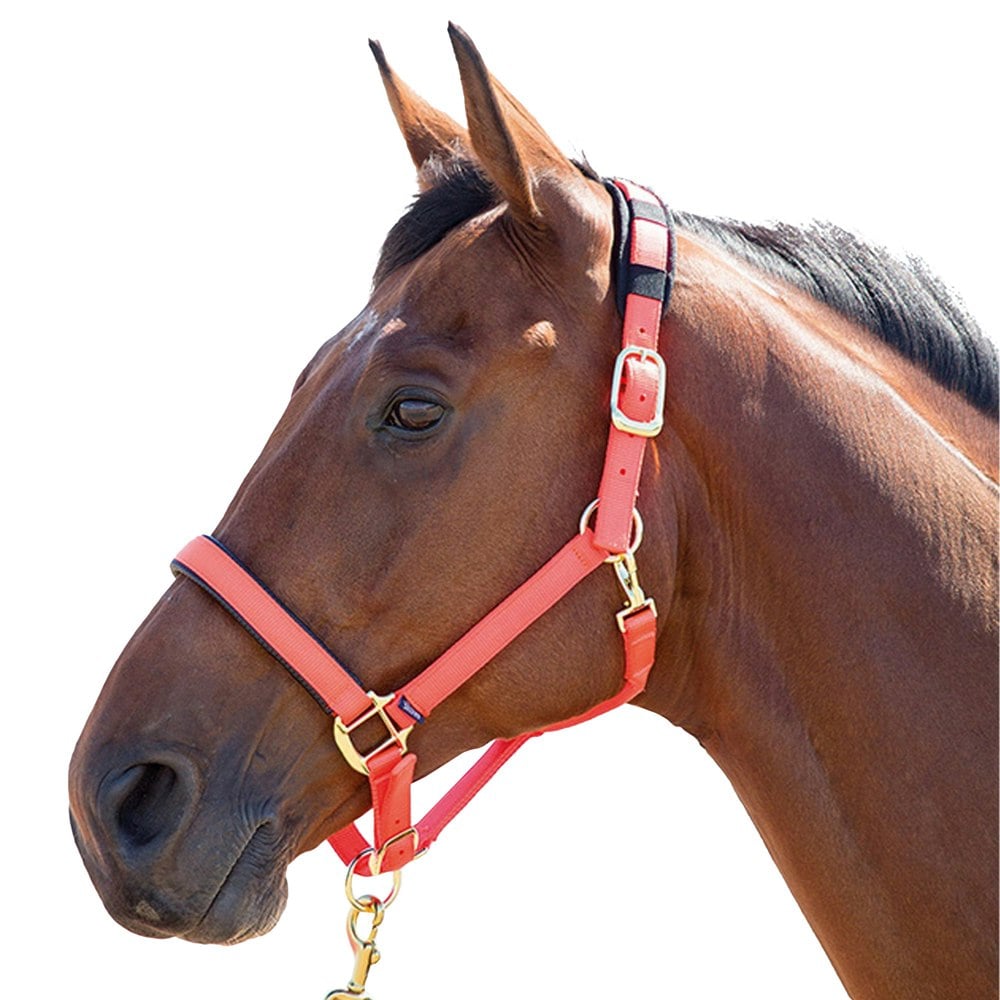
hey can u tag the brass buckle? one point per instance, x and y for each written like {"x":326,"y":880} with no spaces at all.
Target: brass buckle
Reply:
{"x":342,"y":733}
{"x":621,"y":420}
{"x":378,"y":857}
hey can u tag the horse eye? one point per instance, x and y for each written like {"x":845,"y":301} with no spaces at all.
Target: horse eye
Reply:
{"x":415,"y":414}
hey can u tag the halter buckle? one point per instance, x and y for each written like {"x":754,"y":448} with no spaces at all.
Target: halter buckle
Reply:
{"x":377,"y":858}
{"x":620,"y":419}
{"x":342,"y":733}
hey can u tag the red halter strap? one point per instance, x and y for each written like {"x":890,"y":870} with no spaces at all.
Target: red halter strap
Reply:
{"x":645,"y":252}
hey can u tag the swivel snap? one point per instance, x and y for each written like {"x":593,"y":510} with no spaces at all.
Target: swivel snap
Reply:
{"x":627,"y":573}
{"x":362,"y":942}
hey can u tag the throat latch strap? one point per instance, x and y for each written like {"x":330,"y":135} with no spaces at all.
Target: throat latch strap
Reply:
{"x":645,"y":263}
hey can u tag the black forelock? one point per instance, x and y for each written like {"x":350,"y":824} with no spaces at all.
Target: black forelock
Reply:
{"x":457,"y":192}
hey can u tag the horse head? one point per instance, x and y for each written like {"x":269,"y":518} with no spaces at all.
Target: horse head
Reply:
{"x":432,"y":455}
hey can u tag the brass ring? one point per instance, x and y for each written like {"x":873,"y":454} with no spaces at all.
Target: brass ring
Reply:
{"x":366,"y":903}
{"x":637,"y":529}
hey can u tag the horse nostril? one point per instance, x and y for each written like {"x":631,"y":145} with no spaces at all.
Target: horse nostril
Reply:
{"x":147,"y":802}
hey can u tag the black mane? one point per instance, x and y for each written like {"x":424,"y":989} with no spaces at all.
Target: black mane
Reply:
{"x":900,"y":301}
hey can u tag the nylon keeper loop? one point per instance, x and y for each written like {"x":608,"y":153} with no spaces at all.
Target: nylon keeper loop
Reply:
{"x":649,"y":244}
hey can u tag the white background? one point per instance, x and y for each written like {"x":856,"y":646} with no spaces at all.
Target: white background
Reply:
{"x":192,"y":196}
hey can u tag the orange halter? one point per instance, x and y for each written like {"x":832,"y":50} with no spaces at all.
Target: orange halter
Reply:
{"x":644,"y":264}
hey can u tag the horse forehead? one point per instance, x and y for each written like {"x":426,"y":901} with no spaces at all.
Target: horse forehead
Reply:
{"x":468,"y":278}
{"x":388,"y":332}
{"x":361,"y":330}
{"x":469,"y":285}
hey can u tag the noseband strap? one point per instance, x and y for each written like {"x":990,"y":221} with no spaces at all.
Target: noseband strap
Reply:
{"x":644,"y":268}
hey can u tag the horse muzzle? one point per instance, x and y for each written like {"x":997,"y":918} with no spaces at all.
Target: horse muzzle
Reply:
{"x":169,"y":860}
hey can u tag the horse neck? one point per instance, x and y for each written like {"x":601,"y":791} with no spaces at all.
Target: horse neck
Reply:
{"x":833,"y":606}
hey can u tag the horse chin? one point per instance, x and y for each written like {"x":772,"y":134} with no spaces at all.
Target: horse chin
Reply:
{"x":234,"y":917}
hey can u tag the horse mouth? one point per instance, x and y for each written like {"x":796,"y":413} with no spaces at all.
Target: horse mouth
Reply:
{"x":251,"y":897}
{"x":248,"y":901}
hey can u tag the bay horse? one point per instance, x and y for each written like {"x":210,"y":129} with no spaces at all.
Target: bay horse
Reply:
{"x":820,"y":511}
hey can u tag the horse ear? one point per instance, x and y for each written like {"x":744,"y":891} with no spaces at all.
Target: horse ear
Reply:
{"x":511,"y":146}
{"x":429,"y":133}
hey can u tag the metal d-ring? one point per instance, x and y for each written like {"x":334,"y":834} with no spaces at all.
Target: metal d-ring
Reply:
{"x":636,"y":530}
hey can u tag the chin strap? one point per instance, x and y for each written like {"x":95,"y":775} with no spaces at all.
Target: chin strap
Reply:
{"x":644,"y":254}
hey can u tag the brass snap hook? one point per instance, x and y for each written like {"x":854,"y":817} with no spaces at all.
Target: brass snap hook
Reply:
{"x":363,"y":943}
{"x":365,"y":952}
{"x":626,"y":570}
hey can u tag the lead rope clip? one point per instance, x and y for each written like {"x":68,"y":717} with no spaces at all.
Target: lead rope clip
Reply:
{"x":363,"y":944}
